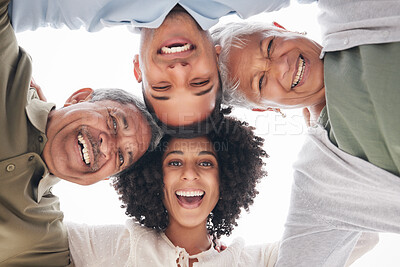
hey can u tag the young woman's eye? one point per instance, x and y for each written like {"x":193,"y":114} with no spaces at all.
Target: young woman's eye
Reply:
{"x":260,"y":82}
{"x":175,"y":163}
{"x":206,"y":164}
{"x":121,"y":158}
{"x":269,"y":48}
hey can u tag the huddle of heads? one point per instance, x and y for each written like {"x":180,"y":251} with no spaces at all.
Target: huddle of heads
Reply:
{"x":235,"y":154}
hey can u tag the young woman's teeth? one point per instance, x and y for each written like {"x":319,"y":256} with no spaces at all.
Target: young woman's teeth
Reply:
{"x":84,"y":150}
{"x":175,"y":49}
{"x":300,"y":71}
{"x":196,"y":193}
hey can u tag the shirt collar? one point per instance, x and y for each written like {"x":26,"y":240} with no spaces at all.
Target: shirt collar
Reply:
{"x":37,"y":110}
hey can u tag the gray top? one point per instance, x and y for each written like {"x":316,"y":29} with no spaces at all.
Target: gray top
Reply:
{"x":334,"y":197}
{"x":347,"y":24}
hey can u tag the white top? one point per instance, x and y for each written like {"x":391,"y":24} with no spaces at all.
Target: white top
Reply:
{"x":135,"y":245}
{"x":335,"y":197}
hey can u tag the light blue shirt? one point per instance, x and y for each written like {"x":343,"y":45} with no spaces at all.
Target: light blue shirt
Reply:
{"x":96,"y":14}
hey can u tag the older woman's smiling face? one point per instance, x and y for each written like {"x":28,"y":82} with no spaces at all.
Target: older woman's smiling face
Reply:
{"x":278,"y":68}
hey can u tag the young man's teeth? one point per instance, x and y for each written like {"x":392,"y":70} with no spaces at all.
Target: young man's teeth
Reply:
{"x":196,"y":193}
{"x":84,"y":149}
{"x":176,"y":49}
{"x":300,"y":72}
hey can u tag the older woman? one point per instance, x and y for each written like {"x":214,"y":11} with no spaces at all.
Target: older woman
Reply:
{"x":267,"y":66}
{"x":180,"y":195}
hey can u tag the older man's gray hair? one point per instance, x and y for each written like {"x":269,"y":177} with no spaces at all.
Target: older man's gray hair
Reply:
{"x":234,"y":35}
{"x":123,"y":97}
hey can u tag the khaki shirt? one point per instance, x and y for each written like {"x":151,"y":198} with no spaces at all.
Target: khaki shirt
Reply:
{"x":31,"y":228}
{"x":363,"y":103}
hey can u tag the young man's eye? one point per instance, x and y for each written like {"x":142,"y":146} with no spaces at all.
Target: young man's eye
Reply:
{"x":160,"y":88}
{"x":120,"y":158}
{"x":201,"y":83}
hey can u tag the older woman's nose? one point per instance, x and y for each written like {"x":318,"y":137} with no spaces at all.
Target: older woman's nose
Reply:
{"x":280,"y":67}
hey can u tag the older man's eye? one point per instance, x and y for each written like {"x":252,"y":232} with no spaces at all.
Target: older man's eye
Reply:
{"x":114,"y":124}
{"x":260,"y":82}
{"x":120,"y":158}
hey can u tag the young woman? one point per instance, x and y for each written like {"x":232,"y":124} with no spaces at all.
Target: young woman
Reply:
{"x":183,"y":196}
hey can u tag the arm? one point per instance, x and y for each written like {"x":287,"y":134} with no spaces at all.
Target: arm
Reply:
{"x":98,"y":245}
{"x":93,"y":15}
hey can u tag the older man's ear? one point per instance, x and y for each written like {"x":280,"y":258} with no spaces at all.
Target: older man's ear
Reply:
{"x":81,"y":95}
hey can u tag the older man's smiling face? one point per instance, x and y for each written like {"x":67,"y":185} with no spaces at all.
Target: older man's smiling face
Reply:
{"x":178,"y":68}
{"x":90,"y":141}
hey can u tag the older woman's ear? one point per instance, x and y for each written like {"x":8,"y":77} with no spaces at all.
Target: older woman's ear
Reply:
{"x":218,"y":50}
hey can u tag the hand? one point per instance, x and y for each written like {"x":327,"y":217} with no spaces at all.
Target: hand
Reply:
{"x":218,"y":245}
{"x":38,"y":90}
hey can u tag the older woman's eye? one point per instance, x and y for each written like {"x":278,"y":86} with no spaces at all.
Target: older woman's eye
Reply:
{"x":269,"y":48}
{"x":260,"y":82}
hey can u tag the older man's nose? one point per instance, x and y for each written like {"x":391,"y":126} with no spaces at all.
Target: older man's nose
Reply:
{"x":107,"y":144}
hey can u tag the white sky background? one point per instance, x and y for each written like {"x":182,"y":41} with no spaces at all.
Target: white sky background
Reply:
{"x":64,"y":61}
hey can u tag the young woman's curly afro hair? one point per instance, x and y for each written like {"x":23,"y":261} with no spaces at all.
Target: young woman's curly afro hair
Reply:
{"x":240,"y":159}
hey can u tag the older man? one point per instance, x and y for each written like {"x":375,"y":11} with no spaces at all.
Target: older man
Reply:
{"x":177,"y":63}
{"x":96,"y":134}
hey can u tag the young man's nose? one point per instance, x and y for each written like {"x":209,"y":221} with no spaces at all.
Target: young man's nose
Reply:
{"x":178,"y":64}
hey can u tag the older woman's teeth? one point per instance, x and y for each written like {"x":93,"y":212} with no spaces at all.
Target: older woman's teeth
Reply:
{"x":196,"y":193}
{"x":84,"y":150}
{"x":175,"y":49}
{"x":300,"y":71}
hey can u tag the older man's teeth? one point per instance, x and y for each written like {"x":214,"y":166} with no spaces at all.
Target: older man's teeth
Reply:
{"x":175,"y":49}
{"x":195,"y":193}
{"x":84,"y":150}
{"x":300,"y":71}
